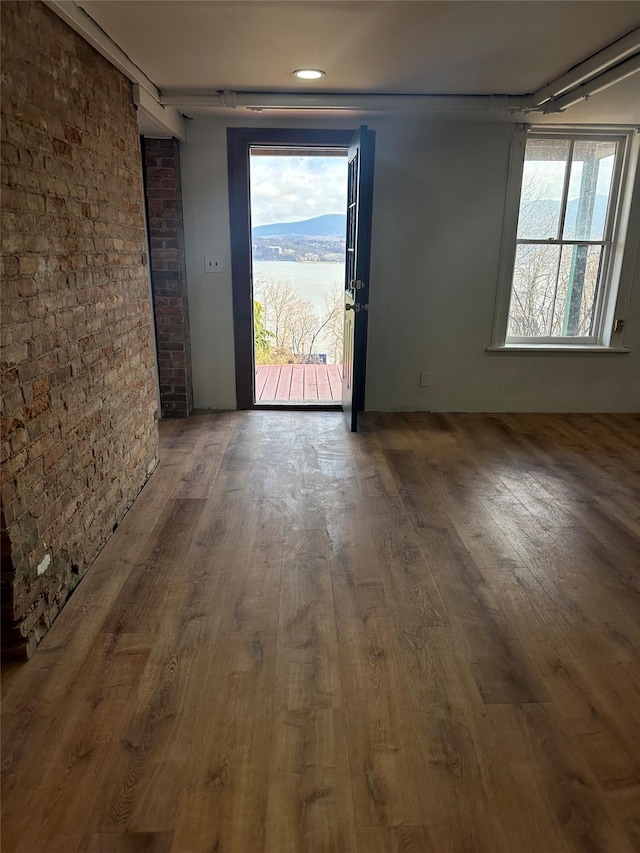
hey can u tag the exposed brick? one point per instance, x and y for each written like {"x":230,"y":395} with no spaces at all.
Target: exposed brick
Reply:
{"x":168,"y":274}
{"x":72,"y":134}
{"x":79,"y":400}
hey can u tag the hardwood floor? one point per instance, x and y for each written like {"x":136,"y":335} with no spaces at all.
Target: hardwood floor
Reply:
{"x":423,"y":638}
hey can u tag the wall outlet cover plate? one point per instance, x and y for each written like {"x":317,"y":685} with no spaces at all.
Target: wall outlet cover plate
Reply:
{"x":212,"y":263}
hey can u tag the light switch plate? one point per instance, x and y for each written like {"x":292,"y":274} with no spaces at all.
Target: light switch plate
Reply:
{"x":212,"y":263}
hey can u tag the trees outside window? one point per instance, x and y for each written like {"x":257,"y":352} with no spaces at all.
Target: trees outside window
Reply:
{"x":287,"y":330}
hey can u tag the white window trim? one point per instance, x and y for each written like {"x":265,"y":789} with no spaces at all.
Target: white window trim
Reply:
{"x":620,"y":260}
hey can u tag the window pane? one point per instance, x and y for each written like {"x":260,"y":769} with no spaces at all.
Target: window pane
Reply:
{"x":543,"y":179}
{"x":534,"y":291}
{"x":554,"y":291}
{"x":589,"y":189}
{"x":578,"y":284}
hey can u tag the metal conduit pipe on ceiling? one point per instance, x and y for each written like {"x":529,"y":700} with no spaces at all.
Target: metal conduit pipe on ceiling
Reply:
{"x":594,"y":66}
{"x":597,"y":84}
{"x":258,"y":101}
{"x":342,"y":101}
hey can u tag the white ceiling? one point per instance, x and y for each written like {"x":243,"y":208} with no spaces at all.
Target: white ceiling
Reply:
{"x":390,"y":46}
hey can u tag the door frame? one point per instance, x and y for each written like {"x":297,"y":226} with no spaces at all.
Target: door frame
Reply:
{"x":239,"y":142}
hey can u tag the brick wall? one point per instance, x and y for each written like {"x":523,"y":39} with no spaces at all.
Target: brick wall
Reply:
{"x":168,"y":274}
{"x":79,"y":437}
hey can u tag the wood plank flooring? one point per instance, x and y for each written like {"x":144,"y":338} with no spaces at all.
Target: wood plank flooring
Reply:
{"x":423,"y":638}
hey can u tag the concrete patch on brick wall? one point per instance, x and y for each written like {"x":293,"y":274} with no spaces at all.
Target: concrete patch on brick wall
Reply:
{"x":43,"y":565}
{"x":79,"y":437}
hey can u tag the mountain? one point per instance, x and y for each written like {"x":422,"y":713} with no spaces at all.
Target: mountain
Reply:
{"x":539,"y":217}
{"x":329,"y":225}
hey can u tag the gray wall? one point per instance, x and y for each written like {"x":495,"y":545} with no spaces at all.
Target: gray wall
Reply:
{"x":438,"y":210}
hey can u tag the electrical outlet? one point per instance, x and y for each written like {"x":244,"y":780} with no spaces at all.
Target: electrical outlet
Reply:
{"x":425,"y":379}
{"x":212,"y":263}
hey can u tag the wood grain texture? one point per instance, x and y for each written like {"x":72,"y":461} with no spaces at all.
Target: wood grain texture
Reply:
{"x":307,"y":672}
{"x":423,"y":638}
{"x":127,"y":842}
{"x":309,"y":800}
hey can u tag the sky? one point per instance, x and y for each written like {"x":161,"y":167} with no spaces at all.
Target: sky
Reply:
{"x":287,"y":189}
{"x":549,"y":175}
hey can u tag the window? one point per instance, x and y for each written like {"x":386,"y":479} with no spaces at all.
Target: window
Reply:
{"x":558,"y":268}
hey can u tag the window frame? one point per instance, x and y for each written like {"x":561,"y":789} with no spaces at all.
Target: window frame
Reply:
{"x":612,"y":242}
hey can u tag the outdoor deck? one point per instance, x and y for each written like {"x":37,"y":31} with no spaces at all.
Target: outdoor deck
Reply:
{"x":298,"y":383}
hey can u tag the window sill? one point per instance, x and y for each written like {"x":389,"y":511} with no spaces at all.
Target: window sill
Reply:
{"x":557,"y":348}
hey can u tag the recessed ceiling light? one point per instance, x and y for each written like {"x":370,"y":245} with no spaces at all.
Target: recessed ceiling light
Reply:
{"x":309,"y":73}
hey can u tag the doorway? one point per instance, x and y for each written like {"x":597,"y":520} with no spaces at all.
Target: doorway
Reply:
{"x":298,"y":202}
{"x":250,"y":152}
{"x":360,"y":146}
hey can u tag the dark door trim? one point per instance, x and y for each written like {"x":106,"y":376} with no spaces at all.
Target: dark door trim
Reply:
{"x":239,"y":141}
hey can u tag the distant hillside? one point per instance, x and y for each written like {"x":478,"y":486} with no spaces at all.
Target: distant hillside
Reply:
{"x":329,"y":225}
{"x":540,"y":216}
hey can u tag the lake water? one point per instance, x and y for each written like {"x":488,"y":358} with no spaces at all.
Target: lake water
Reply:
{"x":310,"y":281}
{"x":315,"y":283}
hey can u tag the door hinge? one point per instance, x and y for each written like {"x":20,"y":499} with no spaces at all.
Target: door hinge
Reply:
{"x":618,"y":325}
{"x":356,"y":306}
{"x":356,"y":284}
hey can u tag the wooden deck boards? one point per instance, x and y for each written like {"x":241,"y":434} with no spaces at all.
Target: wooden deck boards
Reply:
{"x":423,"y":637}
{"x":298,"y":383}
